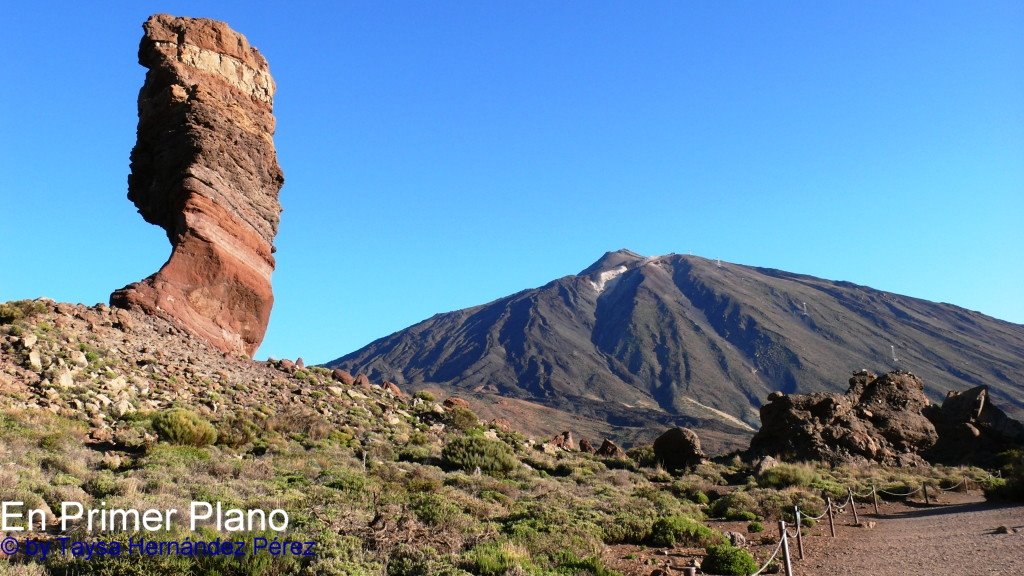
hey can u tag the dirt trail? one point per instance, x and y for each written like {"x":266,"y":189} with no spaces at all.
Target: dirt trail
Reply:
{"x":955,"y":538}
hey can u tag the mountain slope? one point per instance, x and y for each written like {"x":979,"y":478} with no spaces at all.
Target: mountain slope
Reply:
{"x":638,"y":342}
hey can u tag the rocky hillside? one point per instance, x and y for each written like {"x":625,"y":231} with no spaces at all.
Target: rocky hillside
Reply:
{"x":117,"y":409}
{"x":633,"y":343}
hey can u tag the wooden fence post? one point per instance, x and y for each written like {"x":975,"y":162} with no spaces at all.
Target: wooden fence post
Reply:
{"x":926,"y":500}
{"x":799,"y":532}
{"x":831,"y":520}
{"x":967,"y":486}
{"x":853,"y":505}
{"x":786,"y":563}
{"x":689,"y":571}
{"x":874,"y":497}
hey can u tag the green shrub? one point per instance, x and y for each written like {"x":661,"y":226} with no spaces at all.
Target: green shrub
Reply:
{"x":179,"y":426}
{"x":461,"y":419}
{"x":643,"y":455}
{"x":755,"y":527}
{"x":425,"y":396}
{"x":735,"y":506}
{"x":629,"y":527}
{"x":669,"y":530}
{"x":236,"y":431}
{"x":571,"y":564}
{"x":728,"y":560}
{"x":493,"y":457}
{"x":434,"y":508}
{"x":494,"y":558}
{"x":18,"y":309}
{"x":786,"y":475}
{"x":101,"y":485}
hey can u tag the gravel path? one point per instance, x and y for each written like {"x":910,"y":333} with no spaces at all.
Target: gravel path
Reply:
{"x":956,"y":538}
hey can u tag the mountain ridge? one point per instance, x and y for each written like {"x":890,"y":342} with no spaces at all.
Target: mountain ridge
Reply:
{"x":697,"y":341}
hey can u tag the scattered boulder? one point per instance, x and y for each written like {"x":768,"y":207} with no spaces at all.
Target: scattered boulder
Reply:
{"x":342,"y":376}
{"x":586,"y":446}
{"x":765,"y":464}
{"x":362,"y":380}
{"x":736,"y":539}
{"x":610,"y":449}
{"x":456,"y":402}
{"x":678,"y":448}
{"x":972,"y":429}
{"x":565,"y":441}
{"x":394,"y":389}
{"x":204,"y":169}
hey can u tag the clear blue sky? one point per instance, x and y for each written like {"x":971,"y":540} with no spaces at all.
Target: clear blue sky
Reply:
{"x":440,"y":155}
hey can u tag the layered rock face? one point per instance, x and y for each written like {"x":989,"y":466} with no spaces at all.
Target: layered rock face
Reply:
{"x":204,"y":169}
{"x":886,"y":419}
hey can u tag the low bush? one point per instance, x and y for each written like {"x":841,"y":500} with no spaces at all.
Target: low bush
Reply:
{"x":180,"y":426}
{"x":728,"y":560}
{"x":786,"y":475}
{"x":670,"y":530}
{"x":493,"y":457}
{"x":19,"y":309}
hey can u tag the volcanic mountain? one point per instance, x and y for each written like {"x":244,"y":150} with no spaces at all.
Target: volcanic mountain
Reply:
{"x":633,"y":344}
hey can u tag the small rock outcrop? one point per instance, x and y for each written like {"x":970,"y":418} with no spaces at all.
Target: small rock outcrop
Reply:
{"x":972,"y":429}
{"x":565,"y":441}
{"x":204,"y":169}
{"x":610,"y":449}
{"x":886,"y":419}
{"x":678,"y":448}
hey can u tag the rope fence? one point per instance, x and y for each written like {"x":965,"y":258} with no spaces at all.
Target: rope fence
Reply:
{"x":832,"y":509}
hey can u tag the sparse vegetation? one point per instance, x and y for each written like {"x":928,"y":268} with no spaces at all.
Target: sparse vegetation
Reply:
{"x":180,"y":426}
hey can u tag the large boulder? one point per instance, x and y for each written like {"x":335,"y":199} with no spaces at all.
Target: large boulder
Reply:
{"x":886,"y":419}
{"x":972,"y":429}
{"x":204,"y":169}
{"x":678,"y":448}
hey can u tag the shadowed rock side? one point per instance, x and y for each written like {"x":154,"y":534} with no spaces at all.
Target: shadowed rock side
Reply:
{"x":635,"y":344}
{"x":205,"y":170}
{"x":886,"y":419}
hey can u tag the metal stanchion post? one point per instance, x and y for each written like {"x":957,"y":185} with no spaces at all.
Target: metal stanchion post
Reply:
{"x":799,"y":533}
{"x":831,"y":519}
{"x":853,"y":506}
{"x":786,"y":563}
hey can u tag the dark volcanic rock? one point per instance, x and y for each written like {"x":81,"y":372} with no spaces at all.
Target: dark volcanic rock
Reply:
{"x":204,"y":169}
{"x":610,"y":449}
{"x":886,"y":419}
{"x":678,"y":448}
{"x":879,"y":418}
{"x":972,"y":429}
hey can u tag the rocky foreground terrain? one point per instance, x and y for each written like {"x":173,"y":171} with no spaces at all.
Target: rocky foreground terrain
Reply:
{"x":123,"y":409}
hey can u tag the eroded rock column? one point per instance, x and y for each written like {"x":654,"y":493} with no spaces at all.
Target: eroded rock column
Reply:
{"x":204,"y":169}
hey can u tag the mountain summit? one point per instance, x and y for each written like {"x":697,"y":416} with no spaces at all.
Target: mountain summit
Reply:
{"x":634,"y":343}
